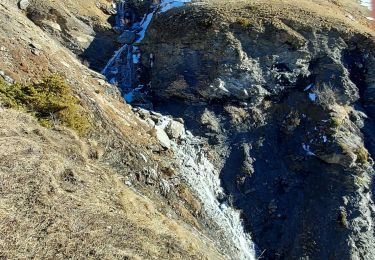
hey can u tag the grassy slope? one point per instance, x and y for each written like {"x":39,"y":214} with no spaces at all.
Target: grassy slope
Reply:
{"x":55,"y":202}
{"x":340,"y":14}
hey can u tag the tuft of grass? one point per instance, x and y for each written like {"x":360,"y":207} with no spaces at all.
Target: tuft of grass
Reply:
{"x":245,"y":22}
{"x":335,"y":122}
{"x":342,"y":219}
{"x":362,"y":155}
{"x":51,"y":101}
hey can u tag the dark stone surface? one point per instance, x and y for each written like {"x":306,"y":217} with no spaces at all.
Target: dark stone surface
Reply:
{"x":291,"y":164}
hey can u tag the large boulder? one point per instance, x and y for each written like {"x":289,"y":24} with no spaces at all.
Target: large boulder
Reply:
{"x":23,"y":4}
{"x":162,"y":137}
{"x":175,"y":130}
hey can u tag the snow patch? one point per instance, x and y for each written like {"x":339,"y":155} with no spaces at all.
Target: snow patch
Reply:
{"x":113,"y":59}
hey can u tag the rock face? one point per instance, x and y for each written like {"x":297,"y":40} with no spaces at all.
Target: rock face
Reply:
{"x":83,"y":28}
{"x":127,"y":37}
{"x":287,"y":107}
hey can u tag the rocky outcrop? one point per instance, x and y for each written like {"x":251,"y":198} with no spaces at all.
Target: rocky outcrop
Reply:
{"x":283,"y":96}
{"x":83,"y":28}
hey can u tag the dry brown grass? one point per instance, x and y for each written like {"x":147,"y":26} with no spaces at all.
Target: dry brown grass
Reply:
{"x":56,"y":203}
{"x":341,"y":14}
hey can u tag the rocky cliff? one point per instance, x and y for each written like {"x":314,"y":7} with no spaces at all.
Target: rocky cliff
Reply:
{"x":282,"y":92}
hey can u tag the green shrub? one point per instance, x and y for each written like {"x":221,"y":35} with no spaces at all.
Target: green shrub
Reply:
{"x":51,"y":101}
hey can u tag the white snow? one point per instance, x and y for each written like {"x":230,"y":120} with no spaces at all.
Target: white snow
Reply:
{"x":167,"y":5}
{"x":312,"y":97}
{"x":222,"y":86}
{"x":324,"y":138}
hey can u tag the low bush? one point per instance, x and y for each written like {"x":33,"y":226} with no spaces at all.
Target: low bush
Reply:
{"x":326,"y":95}
{"x":51,"y":101}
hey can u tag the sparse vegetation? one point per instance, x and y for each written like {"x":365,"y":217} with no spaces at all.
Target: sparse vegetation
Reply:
{"x":244,"y":21}
{"x":362,"y":155}
{"x":342,"y":219}
{"x":326,"y":95}
{"x":335,"y":122}
{"x":345,"y":148}
{"x":51,"y":101}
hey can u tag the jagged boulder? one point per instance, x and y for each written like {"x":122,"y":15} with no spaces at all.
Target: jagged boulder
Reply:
{"x":175,"y":130}
{"x":23,"y":4}
{"x":162,"y":137}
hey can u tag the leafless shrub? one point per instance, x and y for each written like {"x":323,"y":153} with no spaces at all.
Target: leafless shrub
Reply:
{"x":325,"y":95}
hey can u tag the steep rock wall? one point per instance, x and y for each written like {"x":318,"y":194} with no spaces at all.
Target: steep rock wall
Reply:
{"x":283,"y":95}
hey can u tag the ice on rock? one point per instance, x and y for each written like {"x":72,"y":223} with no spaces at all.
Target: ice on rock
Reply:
{"x":308,"y":87}
{"x":129,"y":97}
{"x":306,"y":147}
{"x":144,"y":25}
{"x":312,"y":97}
{"x":167,"y":5}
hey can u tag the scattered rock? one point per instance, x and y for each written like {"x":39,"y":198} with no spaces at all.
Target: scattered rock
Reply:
{"x":175,"y":130}
{"x":23,"y":4}
{"x":150,"y":122}
{"x":156,"y":114}
{"x":101,"y":82}
{"x":35,"y":52}
{"x":6,"y":78}
{"x":165,"y":187}
{"x":162,"y":137}
{"x":143,"y":113}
